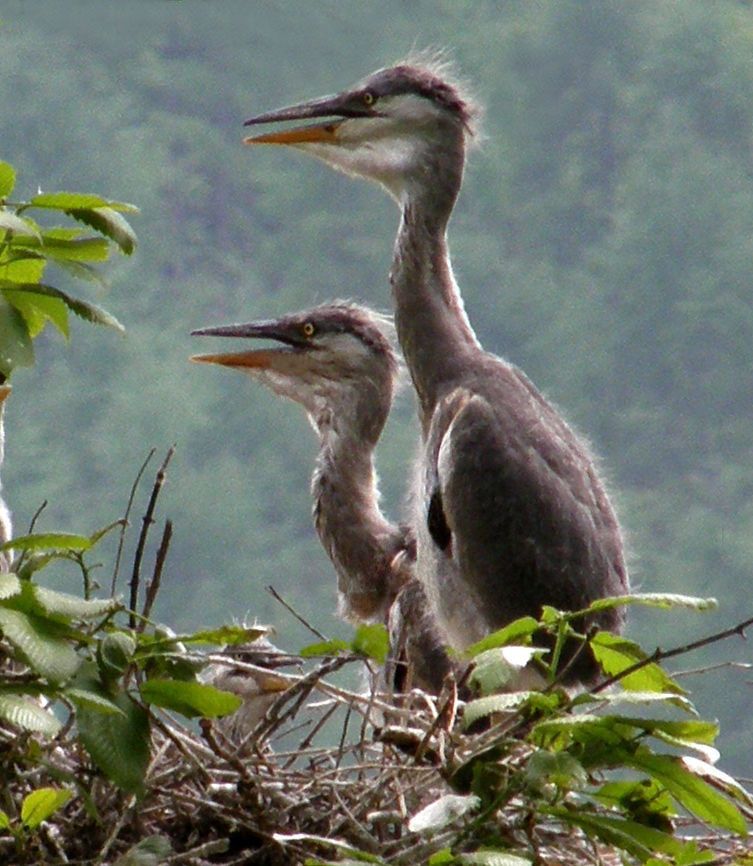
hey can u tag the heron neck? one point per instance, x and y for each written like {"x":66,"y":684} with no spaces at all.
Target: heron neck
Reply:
{"x":432,"y":326}
{"x":359,"y":539}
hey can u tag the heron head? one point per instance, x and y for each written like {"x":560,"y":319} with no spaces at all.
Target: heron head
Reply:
{"x":335,"y":360}
{"x":391,"y":127}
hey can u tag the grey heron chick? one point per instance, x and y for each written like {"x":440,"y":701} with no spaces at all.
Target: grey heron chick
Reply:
{"x":512,"y":512}
{"x":336,"y":362}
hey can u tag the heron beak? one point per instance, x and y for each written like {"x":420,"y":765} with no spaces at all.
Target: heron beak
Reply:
{"x":4,"y":392}
{"x":272,"y":683}
{"x":254,"y":358}
{"x":336,"y":108}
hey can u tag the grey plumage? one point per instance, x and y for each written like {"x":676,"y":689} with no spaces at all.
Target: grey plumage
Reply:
{"x":512,"y":514}
{"x":337,"y":363}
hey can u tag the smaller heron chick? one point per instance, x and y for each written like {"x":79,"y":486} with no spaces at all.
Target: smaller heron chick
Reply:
{"x":336,"y":362}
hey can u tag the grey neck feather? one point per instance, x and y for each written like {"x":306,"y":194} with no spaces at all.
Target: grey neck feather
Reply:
{"x":432,"y":327}
{"x":359,"y":539}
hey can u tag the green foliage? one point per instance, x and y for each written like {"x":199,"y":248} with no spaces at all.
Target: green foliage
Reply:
{"x":26,"y":248}
{"x":371,"y":640}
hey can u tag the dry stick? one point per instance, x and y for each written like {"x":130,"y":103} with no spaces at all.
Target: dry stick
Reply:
{"x":147,"y":520}
{"x":39,"y":510}
{"x":659,"y":655}
{"x":154,"y":584}
{"x":121,"y":541}
{"x":273,"y":592}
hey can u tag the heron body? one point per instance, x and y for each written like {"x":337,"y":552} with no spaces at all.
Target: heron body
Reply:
{"x":337,"y":363}
{"x":512,"y":514}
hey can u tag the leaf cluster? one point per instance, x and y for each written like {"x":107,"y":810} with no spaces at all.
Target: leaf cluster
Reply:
{"x":27,"y":247}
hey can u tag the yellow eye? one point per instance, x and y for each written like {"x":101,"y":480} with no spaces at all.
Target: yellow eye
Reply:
{"x":308,"y":329}
{"x":368,"y":98}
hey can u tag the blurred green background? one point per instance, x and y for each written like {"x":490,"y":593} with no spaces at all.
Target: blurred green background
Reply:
{"x":603,"y":241}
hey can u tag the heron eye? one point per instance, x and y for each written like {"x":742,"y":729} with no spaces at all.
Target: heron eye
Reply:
{"x":368,"y":98}
{"x":308,"y":329}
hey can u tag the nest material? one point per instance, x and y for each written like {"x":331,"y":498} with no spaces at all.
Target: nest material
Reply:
{"x":323,"y":770}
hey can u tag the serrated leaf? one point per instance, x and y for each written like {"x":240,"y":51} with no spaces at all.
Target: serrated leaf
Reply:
{"x":513,"y":633}
{"x":499,"y":669}
{"x":114,"y":653}
{"x":372,"y":640}
{"x":325,"y":648}
{"x":189,"y":698}
{"x":16,"y":349}
{"x":10,"y":585}
{"x":40,"y":804}
{"x":9,"y":221}
{"x":51,"y":246}
{"x":654,"y":599}
{"x":7,"y":179}
{"x":637,"y":839}
{"x":24,"y":267}
{"x":48,"y":655}
{"x":690,"y":791}
{"x":83,"y":309}
{"x":26,"y":713}
{"x":38,"y":309}
{"x":504,"y":703}
{"x":91,"y":700}
{"x":616,"y":654}
{"x":63,"y":604}
{"x":48,"y":541}
{"x":109,"y":223}
{"x":442,"y":812}
{"x":118,"y":744}
{"x":66,"y":201}
{"x":709,"y":771}
{"x":227,"y":635}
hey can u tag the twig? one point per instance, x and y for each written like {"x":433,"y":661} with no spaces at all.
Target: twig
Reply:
{"x":273,"y":592}
{"x":32,"y":524}
{"x":147,"y":520}
{"x":121,"y":540}
{"x":159,"y":562}
{"x":659,"y":655}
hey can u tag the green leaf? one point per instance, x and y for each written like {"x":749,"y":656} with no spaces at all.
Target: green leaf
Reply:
{"x":66,"y":201}
{"x":325,"y":648}
{"x":719,"y":777}
{"x":48,"y":655}
{"x":10,"y":585}
{"x":37,"y":310}
{"x":4,"y":821}
{"x":690,"y":791}
{"x":83,"y":698}
{"x":92,"y":249}
{"x":114,"y":653}
{"x":40,"y":804}
{"x":640,"y":841}
{"x":26,"y":713}
{"x":63,"y":604}
{"x":9,"y":221}
{"x":227,"y":635}
{"x":7,"y":179}
{"x":48,"y":541}
{"x":514,"y":633}
{"x":616,"y":654}
{"x":442,"y":812}
{"x":504,"y":703}
{"x":110,"y":223}
{"x":148,"y":852}
{"x":442,"y":858}
{"x":118,"y":744}
{"x":189,"y":698}
{"x":655,"y":599}
{"x":499,"y":669}
{"x":372,"y":641}
{"x":83,"y":309}
{"x":15,"y":342}
{"x":560,"y":768}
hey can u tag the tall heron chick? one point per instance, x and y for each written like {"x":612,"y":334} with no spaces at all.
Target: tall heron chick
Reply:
{"x":512,"y":512}
{"x":336,"y":362}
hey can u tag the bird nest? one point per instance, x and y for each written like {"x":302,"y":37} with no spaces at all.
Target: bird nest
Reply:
{"x":325,"y":775}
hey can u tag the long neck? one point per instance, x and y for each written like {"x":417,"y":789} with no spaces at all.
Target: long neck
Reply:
{"x":432,"y":327}
{"x":359,"y":539}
